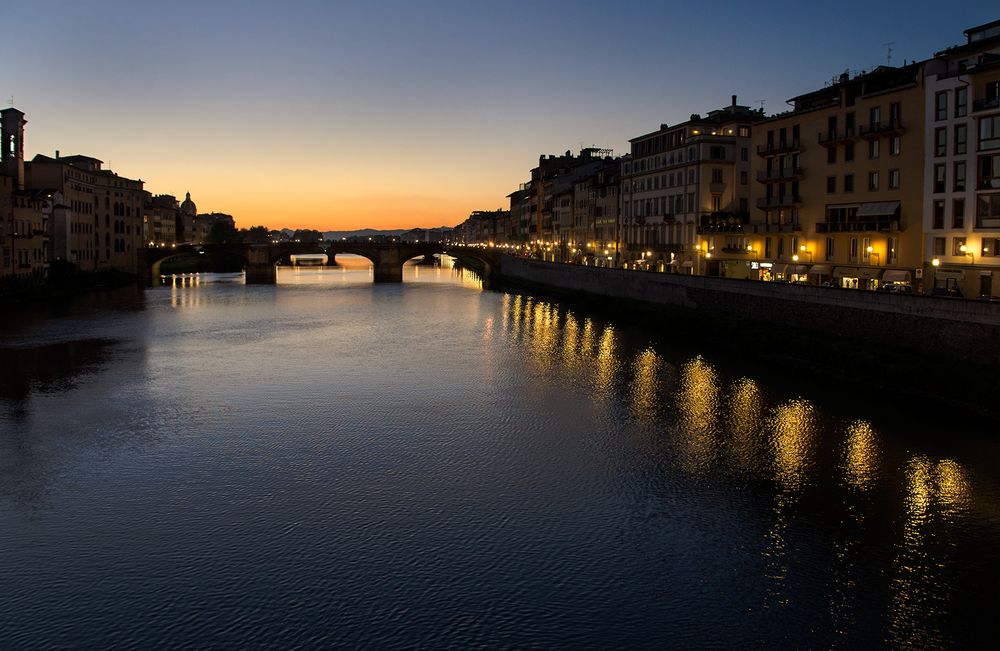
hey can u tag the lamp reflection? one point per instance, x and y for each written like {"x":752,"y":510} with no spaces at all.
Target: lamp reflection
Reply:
{"x":698,"y":408}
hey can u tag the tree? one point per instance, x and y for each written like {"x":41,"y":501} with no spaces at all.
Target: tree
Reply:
{"x":256,"y":235}
{"x":223,"y":232}
{"x":307,"y":235}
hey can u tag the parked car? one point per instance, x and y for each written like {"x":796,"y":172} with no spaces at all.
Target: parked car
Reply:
{"x":896,"y":288}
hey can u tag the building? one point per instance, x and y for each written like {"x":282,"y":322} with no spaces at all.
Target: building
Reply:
{"x":962,"y":167}
{"x":201,"y":225}
{"x":97,"y":214}
{"x":24,"y":213}
{"x":838,"y":196}
{"x":160,"y":218}
{"x":682,"y":180}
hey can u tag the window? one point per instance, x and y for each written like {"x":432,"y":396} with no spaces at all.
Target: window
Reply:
{"x":941,"y":105}
{"x":941,"y":141}
{"x":989,"y":133}
{"x":767,"y":247}
{"x":895,"y":112}
{"x":893,"y":179}
{"x":874,"y":116}
{"x":849,"y":152}
{"x":989,"y":172}
{"x":958,"y":177}
{"x":848,"y":183}
{"x":990,"y":245}
{"x":938,"y":246}
{"x":744,"y":204}
{"x":744,"y":132}
{"x":829,"y":249}
{"x":744,"y":152}
{"x":781,"y":246}
{"x":873,"y":180}
{"x":958,"y":213}
{"x":716,"y":175}
{"x":958,"y":246}
{"x":716,"y":203}
{"x":938,"y":214}
{"x":854,"y":249}
{"x":831,"y":184}
{"x":831,"y":155}
{"x":892,"y":252}
{"x":873,"y":148}
{"x":866,"y":243}
{"x":961,"y":135}
{"x":894,"y":146}
{"x":940,"y":176}
{"x":961,"y":102}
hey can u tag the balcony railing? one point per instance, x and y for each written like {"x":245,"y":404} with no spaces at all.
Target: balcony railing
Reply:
{"x":786,"y":227}
{"x":879,"y":129}
{"x":835,"y":137}
{"x":782,"y":174}
{"x":781,"y":147}
{"x":988,"y":222}
{"x":985,"y":104}
{"x":869,"y":225}
{"x":782,"y":201}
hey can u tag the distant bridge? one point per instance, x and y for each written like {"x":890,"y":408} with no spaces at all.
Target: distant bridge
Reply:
{"x":260,"y":260}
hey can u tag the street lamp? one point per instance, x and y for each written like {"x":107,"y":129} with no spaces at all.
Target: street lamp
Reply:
{"x":873,"y":252}
{"x":802,"y":248}
{"x":967,"y":252}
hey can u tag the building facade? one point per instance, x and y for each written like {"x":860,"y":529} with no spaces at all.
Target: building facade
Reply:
{"x":838,"y":197}
{"x":683,"y":179}
{"x":160,"y":217}
{"x":962,"y":166}
{"x":24,"y":214}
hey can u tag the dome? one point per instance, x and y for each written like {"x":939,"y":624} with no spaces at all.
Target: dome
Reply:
{"x":187,"y":206}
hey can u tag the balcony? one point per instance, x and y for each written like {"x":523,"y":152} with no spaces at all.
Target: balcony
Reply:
{"x":877,"y":130}
{"x":782,"y":201}
{"x":866,"y":226}
{"x":991,"y":223}
{"x":723,"y":222}
{"x":717,"y":187}
{"x":986,"y":104}
{"x":782,"y":147}
{"x":836,"y":137}
{"x":788,"y":173}
{"x":764,"y":227}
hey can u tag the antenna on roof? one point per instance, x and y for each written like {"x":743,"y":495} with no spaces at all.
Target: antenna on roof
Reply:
{"x":761,"y":105}
{"x":888,"y":52}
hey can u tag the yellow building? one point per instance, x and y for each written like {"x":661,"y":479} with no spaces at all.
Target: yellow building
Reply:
{"x":839,"y":185}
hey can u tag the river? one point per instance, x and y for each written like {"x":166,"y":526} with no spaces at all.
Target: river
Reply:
{"x":332,"y":463}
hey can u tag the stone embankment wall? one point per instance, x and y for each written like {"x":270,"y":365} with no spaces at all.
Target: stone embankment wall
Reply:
{"x":963,"y":330}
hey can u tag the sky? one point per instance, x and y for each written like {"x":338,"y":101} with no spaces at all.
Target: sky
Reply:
{"x":384,"y":114}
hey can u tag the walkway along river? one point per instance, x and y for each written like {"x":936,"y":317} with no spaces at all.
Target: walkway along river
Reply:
{"x":332,"y":462}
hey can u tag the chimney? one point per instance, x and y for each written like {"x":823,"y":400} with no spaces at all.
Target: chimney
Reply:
{"x":732,"y":108}
{"x":57,"y":154}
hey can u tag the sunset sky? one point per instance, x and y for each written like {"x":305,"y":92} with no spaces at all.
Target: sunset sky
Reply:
{"x":342,"y":115}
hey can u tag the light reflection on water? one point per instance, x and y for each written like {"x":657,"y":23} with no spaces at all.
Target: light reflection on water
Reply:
{"x":428,"y":463}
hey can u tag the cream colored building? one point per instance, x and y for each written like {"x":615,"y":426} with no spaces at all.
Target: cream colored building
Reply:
{"x":680,"y":181}
{"x":838,"y":194}
{"x":962,"y":166}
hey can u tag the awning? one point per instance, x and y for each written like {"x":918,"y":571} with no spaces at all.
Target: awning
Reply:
{"x":779,"y":268}
{"x":986,"y":273}
{"x":799,"y":270}
{"x":950,"y":274}
{"x":845,"y":272}
{"x":820,"y":270}
{"x":878,"y":209}
{"x":869,"y":273}
{"x":896,"y":276}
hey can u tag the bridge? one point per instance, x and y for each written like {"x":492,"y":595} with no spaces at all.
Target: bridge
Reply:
{"x":260,"y":260}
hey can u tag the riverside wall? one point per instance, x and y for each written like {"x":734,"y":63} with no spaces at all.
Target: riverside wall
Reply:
{"x":956,"y":329}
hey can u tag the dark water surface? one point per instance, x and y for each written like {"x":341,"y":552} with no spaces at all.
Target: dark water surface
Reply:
{"x":327,"y":462}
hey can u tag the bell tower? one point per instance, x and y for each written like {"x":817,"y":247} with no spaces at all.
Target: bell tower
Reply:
{"x":12,"y":141}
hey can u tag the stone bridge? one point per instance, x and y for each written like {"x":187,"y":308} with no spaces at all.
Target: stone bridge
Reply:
{"x":387,"y":258}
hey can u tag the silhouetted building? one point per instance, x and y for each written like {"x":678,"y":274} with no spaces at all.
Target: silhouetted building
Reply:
{"x":160,"y":219}
{"x":24,"y":213}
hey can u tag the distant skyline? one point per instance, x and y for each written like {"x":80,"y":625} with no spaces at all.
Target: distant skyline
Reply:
{"x":346,"y":115}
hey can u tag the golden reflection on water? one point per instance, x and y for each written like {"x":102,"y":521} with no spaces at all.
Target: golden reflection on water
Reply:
{"x":744,"y":423}
{"x":793,"y":429}
{"x":645,"y":384}
{"x":861,"y":456}
{"x":937,"y":493}
{"x":698,"y":410}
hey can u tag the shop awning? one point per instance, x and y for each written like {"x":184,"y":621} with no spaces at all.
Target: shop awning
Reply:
{"x":950,"y":274}
{"x":878,"y":209}
{"x":845,"y":272}
{"x":779,"y":268}
{"x":819,"y":270}
{"x":869,"y":273}
{"x":799,"y":269}
{"x":896,"y":276}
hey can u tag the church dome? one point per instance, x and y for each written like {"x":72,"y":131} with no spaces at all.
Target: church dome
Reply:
{"x":187,"y":206}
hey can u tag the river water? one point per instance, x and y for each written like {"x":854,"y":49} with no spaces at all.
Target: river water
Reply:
{"x":327,"y":462}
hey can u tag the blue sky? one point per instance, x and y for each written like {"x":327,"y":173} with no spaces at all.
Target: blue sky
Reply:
{"x":350,"y":114}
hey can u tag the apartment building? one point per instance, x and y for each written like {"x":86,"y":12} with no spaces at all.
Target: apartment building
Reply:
{"x":160,"y":217}
{"x":838,"y":197}
{"x":99,"y":225}
{"x":684,"y":179}
{"x":962,"y":167}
